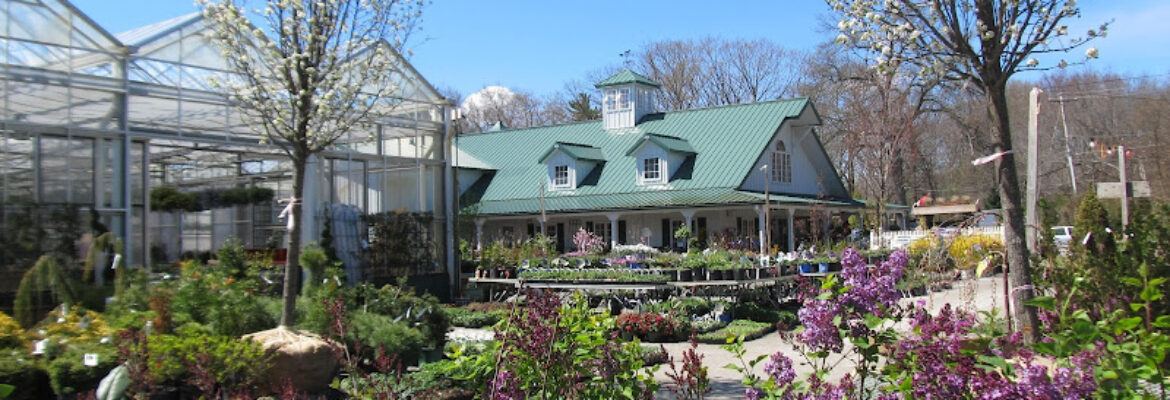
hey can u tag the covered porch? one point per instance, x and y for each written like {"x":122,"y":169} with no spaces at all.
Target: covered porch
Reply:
{"x":782,"y":227}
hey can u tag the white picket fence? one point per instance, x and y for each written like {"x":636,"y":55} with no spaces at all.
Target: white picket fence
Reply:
{"x":902,"y":239}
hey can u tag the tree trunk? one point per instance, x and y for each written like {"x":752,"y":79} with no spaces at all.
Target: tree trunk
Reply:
{"x":292,"y":268}
{"x":1020,"y":270}
{"x":898,"y":181}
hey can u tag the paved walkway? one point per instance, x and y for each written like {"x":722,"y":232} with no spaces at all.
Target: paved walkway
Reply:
{"x":982,"y":294}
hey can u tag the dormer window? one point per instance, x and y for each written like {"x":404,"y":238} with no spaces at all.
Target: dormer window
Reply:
{"x":781,"y":164}
{"x":652,"y":170}
{"x":570,"y":164}
{"x":561,"y":177}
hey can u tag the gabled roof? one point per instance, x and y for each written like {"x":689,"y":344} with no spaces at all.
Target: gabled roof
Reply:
{"x":577,"y":151}
{"x":669,"y":143}
{"x":624,"y":77}
{"x":726,"y":140}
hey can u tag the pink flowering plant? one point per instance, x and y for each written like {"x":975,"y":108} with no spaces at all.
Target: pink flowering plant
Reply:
{"x":588,"y":242}
{"x":851,"y":319}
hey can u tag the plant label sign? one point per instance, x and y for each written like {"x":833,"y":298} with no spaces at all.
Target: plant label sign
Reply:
{"x":1113,"y":190}
{"x":90,"y":359}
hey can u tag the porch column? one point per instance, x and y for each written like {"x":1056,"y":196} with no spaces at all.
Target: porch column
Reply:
{"x":688,"y":215}
{"x":613,"y":233}
{"x":760,"y":214}
{"x":479,"y":234}
{"x":828,"y":228}
{"x":791,"y":229}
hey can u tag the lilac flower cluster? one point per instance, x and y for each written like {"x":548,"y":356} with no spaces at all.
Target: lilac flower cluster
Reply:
{"x":779,"y":369}
{"x":941,"y":358}
{"x":870,"y":291}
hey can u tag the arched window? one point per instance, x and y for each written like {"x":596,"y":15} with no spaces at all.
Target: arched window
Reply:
{"x":781,"y":163}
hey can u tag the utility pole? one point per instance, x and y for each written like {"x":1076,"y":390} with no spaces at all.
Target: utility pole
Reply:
{"x":767,"y":213}
{"x":1031,"y":221}
{"x":1072,"y":173}
{"x":1124,"y":189}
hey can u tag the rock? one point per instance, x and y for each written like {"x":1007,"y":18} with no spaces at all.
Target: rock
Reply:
{"x":306,"y":360}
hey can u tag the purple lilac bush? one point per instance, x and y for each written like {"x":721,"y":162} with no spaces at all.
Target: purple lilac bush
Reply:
{"x":940,"y":358}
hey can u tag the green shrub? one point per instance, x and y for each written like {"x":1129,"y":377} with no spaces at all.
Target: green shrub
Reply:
{"x":26,"y":374}
{"x":748,"y":330}
{"x":375,"y":331}
{"x":238,"y":313}
{"x":234,"y":362}
{"x":68,"y":374}
{"x":754,"y":312}
{"x":231,"y":258}
{"x":219,"y":301}
{"x":463,"y":317}
{"x":400,"y":302}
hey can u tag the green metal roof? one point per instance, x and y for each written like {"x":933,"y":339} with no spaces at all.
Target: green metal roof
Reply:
{"x":624,"y":77}
{"x":577,"y":151}
{"x":464,"y":160}
{"x":726,"y":141}
{"x":670,"y":143}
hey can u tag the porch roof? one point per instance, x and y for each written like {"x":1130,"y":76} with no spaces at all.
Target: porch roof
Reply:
{"x":643,"y":200}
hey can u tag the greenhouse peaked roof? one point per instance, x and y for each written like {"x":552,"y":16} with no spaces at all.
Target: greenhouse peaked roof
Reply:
{"x":145,"y":34}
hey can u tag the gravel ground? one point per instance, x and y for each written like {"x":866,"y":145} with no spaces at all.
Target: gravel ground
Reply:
{"x":982,"y":294}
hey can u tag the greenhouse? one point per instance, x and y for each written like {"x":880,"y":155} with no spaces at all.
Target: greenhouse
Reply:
{"x":95,"y":127}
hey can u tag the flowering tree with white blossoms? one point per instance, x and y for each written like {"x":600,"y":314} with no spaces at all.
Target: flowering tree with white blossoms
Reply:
{"x":314,"y":70}
{"x":980,"y":43}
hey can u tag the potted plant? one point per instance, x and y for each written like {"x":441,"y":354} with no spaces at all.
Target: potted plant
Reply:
{"x":823,"y":264}
{"x":805,"y":266}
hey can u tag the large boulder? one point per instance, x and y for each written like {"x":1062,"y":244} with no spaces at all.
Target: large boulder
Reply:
{"x":304,"y":359}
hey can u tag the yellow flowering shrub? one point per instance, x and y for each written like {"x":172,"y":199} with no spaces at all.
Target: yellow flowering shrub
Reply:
{"x":11,"y":335}
{"x":968,"y":250}
{"x":78,"y":324}
{"x":919,"y":246}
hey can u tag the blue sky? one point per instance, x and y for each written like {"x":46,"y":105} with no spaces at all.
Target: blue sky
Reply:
{"x":538,"y":45}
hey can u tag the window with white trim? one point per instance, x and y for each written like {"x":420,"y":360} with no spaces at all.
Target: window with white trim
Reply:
{"x":781,"y":164}
{"x":617,"y":99}
{"x":561,"y":177}
{"x":652,"y":170}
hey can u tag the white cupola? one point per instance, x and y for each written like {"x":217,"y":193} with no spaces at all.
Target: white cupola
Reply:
{"x":625,"y":98}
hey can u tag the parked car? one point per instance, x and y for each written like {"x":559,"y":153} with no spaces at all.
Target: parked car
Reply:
{"x":1062,"y":237}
